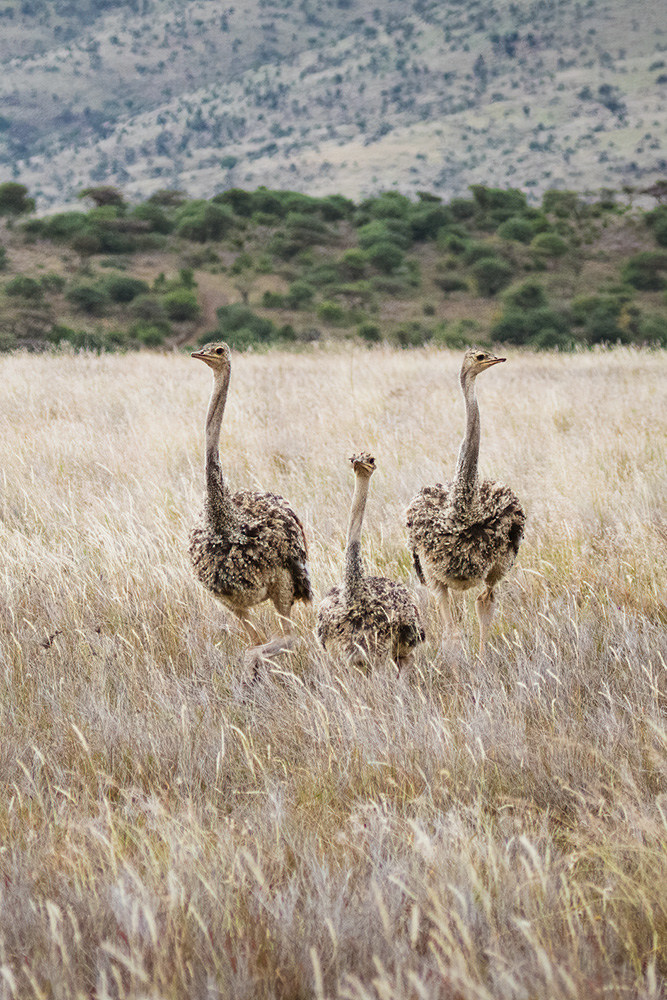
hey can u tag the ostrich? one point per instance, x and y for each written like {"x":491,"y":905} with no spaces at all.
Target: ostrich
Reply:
{"x":466,"y":532}
{"x":368,"y":616}
{"x":247,"y":547}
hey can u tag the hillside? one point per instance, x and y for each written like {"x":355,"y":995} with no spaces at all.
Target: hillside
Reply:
{"x":266,"y":267}
{"x":320,"y":97}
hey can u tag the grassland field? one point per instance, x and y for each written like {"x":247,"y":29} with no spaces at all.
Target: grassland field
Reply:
{"x":471,"y":830}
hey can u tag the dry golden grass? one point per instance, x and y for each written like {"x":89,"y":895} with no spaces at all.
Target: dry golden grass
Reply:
{"x":168,"y":831}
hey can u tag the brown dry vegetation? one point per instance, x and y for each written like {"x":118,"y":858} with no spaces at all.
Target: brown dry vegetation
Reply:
{"x":170,"y":831}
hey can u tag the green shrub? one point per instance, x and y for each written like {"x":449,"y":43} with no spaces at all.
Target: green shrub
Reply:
{"x":517,"y":326}
{"x":388,"y":205}
{"x":242,"y":328}
{"x":370,"y":332}
{"x":7,"y":341}
{"x":564,"y":204}
{"x":300,"y":294}
{"x":461,"y":208}
{"x":23,"y":287}
{"x":330,"y":312}
{"x":118,"y":339}
{"x":307,"y":230}
{"x":335,"y":207}
{"x":412,"y":335}
{"x":149,"y":308}
{"x":14,"y":199}
{"x":3,"y":258}
{"x":452,"y":242}
{"x":154,"y":216}
{"x":186,"y":277}
{"x":653,"y":329}
{"x":204,"y":257}
{"x":282,"y":247}
{"x":88,"y":298}
{"x":516,"y":228}
{"x":428,"y":309}
{"x":478,"y":251}
{"x":394,"y":231}
{"x":385,"y":256}
{"x":52,"y":282}
{"x":323,"y":274}
{"x":86,"y":242}
{"x":643,"y":271}
{"x":495,"y":205}
{"x":81,"y":340}
{"x":149,"y":336}
{"x":549,"y":338}
{"x":301,"y":232}
{"x":528,"y":319}
{"x":584,"y":306}
{"x":264,"y":219}
{"x":352,"y":264}
{"x":537,"y":219}
{"x":491,"y":275}
{"x":241,"y":202}
{"x":451,"y":283}
{"x":396,"y":285}
{"x":121,"y":288}
{"x":201,"y":221}
{"x":181,"y":305}
{"x":529,"y":295}
{"x":458,"y":335}
{"x":264,"y":264}
{"x":273,"y":300}
{"x":657,"y":220}
{"x":549,"y":244}
{"x":600,"y":317}
{"x":242,"y":262}
{"x":426,"y":222}
{"x":241,"y":339}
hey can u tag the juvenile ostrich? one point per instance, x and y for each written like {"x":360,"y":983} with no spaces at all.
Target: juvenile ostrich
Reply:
{"x":368,"y":617}
{"x":247,"y":547}
{"x":466,"y":533}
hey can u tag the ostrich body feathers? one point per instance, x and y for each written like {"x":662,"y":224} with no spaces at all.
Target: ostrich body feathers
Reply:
{"x":245,"y":557}
{"x":461,"y":550}
{"x":380,"y":619}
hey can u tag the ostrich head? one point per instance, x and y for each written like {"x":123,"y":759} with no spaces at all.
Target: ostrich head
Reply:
{"x":363,"y":465}
{"x":215,"y":355}
{"x":476,"y":360}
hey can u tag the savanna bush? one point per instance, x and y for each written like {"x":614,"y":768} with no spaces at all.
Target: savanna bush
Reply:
{"x":23,"y":287}
{"x":491,"y":275}
{"x":181,"y":305}
{"x":516,"y":228}
{"x":645,"y":271}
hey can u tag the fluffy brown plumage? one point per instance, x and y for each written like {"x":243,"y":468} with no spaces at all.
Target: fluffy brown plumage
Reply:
{"x":245,"y":561}
{"x":247,"y":547}
{"x":465,"y":533}
{"x":367,"y":617}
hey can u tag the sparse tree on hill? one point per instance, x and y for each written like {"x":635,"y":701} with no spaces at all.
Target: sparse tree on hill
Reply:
{"x":104,"y":195}
{"x":14,"y":199}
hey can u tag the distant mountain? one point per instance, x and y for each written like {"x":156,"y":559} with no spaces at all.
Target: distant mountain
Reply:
{"x":343,"y":96}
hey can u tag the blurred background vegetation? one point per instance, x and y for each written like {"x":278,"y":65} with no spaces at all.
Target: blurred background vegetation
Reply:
{"x":270,"y":267}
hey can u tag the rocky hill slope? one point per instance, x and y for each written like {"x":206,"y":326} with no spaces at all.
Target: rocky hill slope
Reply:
{"x":320,"y":97}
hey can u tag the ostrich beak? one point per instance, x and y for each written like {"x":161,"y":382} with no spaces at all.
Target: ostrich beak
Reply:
{"x":198,"y":354}
{"x":492,"y":361}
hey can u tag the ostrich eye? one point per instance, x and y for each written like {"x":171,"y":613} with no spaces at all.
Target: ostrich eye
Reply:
{"x":218,"y":350}
{"x":479,"y":357}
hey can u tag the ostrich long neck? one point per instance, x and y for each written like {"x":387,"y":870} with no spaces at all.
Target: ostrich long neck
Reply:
{"x":218,"y":505}
{"x":354,"y":573}
{"x":465,"y":478}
